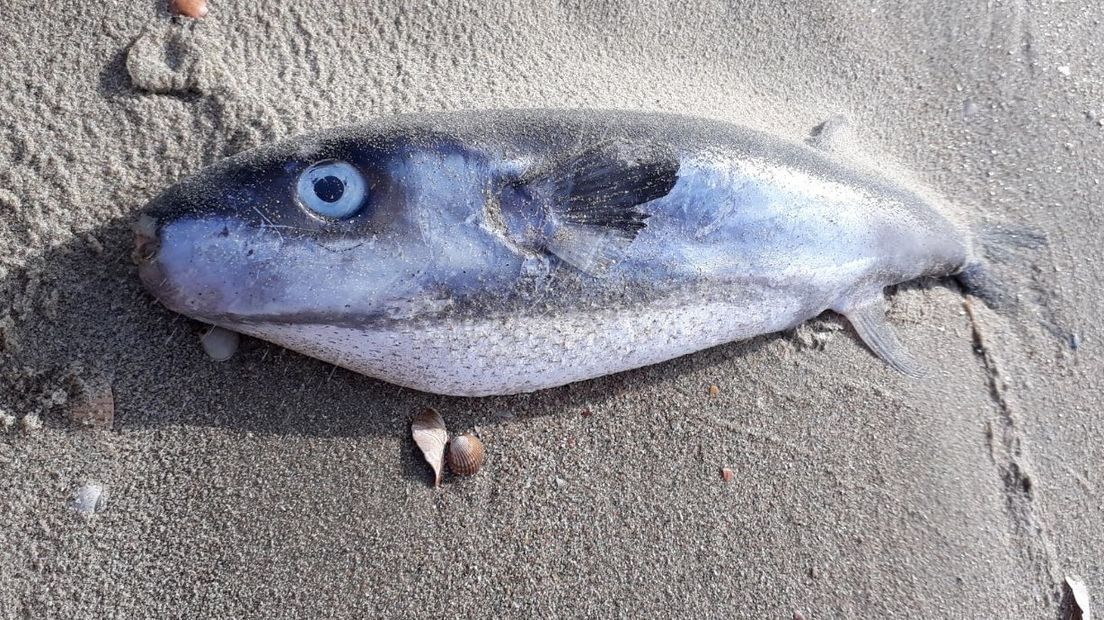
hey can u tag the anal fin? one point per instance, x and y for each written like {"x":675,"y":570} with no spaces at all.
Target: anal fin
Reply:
{"x":870,"y":323}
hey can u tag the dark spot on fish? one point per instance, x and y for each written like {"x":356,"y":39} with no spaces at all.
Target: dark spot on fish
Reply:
{"x":249,"y":253}
{"x":329,"y":188}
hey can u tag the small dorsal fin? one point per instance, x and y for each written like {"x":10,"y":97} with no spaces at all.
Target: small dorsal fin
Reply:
{"x":591,"y":200}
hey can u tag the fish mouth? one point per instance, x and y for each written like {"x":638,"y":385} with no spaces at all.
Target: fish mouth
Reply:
{"x":147,"y":256}
{"x":147,"y":247}
{"x":159,"y":269}
{"x":146,"y":243}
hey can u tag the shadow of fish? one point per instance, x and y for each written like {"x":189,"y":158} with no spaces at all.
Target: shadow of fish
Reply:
{"x":501,"y":252}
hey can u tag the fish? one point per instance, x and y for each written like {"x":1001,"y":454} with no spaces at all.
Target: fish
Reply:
{"x":499,"y":252}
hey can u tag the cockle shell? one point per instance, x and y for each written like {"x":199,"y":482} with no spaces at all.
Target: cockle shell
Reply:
{"x":195,"y":9}
{"x":428,"y":430}
{"x":466,"y":455}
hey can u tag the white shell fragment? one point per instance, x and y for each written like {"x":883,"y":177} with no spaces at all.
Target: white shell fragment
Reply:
{"x":89,"y":498}
{"x":220,"y":344}
{"x":466,"y":455}
{"x":428,"y":430}
{"x":1080,"y":596}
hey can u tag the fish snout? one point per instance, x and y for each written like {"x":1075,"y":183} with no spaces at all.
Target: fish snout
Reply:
{"x":146,"y":254}
{"x":170,"y":206}
{"x":146,"y":242}
{"x":189,"y":265}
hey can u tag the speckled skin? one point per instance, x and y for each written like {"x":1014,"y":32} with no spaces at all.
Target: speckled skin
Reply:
{"x":437,"y":284}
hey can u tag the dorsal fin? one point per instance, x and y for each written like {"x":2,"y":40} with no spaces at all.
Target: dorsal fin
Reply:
{"x":591,"y":200}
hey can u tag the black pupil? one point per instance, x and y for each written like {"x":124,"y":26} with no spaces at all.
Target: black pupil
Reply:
{"x":329,"y":188}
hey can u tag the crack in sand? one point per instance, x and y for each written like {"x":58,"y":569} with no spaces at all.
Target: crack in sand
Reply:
{"x":1006,"y":451}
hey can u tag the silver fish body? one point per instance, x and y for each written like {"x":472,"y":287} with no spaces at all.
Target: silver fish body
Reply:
{"x":505,"y":252}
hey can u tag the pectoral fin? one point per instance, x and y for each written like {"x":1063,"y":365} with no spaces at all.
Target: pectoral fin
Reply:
{"x":870,"y":323}
{"x":591,"y":200}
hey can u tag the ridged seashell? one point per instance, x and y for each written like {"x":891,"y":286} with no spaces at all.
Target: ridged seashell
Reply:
{"x":220,"y":344}
{"x":466,"y":455}
{"x":428,"y":431}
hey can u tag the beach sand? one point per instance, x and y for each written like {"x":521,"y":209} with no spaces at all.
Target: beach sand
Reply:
{"x":273,"y":485}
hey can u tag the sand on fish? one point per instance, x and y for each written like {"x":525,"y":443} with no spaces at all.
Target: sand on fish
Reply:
{"x":272,"y":485}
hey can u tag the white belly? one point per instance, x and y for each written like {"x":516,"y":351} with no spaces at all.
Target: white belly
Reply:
{"x":523,"y":354}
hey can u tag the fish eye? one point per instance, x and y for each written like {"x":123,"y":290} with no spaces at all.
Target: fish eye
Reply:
{"x":333,"y":189}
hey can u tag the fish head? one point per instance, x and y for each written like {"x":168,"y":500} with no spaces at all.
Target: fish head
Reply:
{"x":325,"y":230}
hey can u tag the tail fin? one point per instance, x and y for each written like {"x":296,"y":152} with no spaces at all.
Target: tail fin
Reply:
{"x":990,"y":276}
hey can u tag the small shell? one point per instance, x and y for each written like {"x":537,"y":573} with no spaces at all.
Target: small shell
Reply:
{"x":727,"y":474}
{"x":466,"y":455}
{"x":1080,"y":595}
{"x":189,"y":8}
{"x":89,"y":498}
{"x":220,"y":344}
{"x":428,"y":430}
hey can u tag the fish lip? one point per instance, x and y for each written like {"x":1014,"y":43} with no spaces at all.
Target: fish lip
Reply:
{"x":147,"y":248}
{"x":146,"y":242}
{"x":146,"y":255}
{"x":158,"y":277}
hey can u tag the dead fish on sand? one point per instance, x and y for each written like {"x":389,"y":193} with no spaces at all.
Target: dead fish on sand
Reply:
{"x":509,"y":251}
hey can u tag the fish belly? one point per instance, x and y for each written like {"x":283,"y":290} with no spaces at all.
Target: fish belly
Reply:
{"x":517,"y":354}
